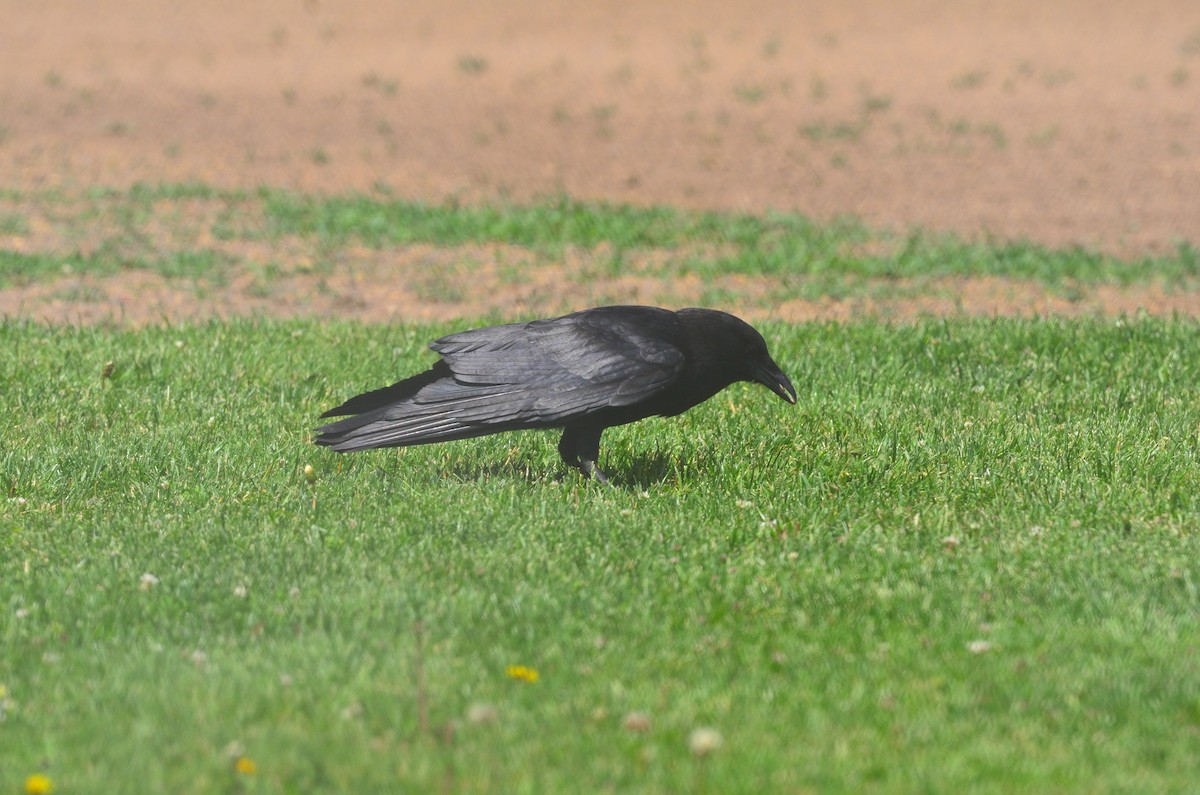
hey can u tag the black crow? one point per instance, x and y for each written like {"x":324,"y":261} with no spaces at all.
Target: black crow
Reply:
{"x":582,"y":372}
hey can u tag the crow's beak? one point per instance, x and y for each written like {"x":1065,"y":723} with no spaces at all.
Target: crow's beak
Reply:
{"x":770,"y":376}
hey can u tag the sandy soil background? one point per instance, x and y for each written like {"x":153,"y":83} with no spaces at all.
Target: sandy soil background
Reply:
{"x":1071,"y":122}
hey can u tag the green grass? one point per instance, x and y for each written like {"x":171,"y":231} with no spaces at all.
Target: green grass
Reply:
{"x":775,"y":244}
{"x":13,"y":224}
{"x":19,"y":268}
{"x":808,"y":580}
{"x":809,"y":259}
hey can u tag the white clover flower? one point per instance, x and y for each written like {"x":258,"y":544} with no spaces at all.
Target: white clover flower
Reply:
{"x":482,"y":713}
{"x":704,"y":741}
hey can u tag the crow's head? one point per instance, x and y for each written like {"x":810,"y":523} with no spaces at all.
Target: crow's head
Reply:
{"x":761,"y":369}
{"x":741,"y":350}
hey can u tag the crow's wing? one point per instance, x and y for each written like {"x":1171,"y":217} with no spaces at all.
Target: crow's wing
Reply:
{"x":550,"y":371}
{"x":522,"y":375}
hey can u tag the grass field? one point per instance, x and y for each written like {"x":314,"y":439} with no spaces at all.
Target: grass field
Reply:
{"x":966,"y":561}
{"x":199,"y":233}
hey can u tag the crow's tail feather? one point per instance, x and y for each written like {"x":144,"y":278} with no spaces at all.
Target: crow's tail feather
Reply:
{"x":430,"y":407}
{"x":366,"y":432}
{"x":401,"y":390}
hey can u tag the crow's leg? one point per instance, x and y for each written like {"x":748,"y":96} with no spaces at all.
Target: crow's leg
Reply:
{"x":567,"y":445}
{"x":580,"y":447}
{"x":590,"y":468}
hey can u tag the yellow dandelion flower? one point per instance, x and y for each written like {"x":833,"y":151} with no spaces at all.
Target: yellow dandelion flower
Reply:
{"x":38,"y":784}
{"x":245,"y":765}
{"x":522,"y":672}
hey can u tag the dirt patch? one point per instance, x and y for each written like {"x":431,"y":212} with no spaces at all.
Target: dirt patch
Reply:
{"x":1074,"y":122}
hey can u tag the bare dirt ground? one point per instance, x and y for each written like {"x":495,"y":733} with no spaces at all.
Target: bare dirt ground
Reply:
{"x":1075,"y":122}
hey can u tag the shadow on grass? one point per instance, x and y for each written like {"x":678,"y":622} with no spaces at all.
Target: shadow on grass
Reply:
{"x":646,"y":470}
{"x":638,"y":472}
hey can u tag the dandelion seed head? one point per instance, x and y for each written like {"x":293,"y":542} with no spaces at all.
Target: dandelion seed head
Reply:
{"x":240,"y":592}
{"x":979,"y":646}
{"x":147,"y":581}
